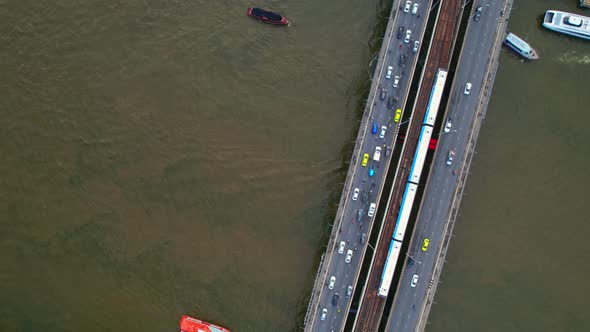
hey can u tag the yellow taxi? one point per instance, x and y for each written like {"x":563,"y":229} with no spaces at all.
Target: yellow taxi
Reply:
{"x":425,"y":244}
{"x":398,"y":115}
{"x":365,"y":159}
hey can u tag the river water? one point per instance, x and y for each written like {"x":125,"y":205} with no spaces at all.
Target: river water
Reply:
{"x":170,"y":157}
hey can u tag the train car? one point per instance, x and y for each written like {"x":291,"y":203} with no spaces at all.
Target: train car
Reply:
{"x":389,"y":268}
{"x":404,"y":212}
{"x":420,"y":155}
{"x":435,"y":97}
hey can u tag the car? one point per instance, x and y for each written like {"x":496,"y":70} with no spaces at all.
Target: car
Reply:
{"x":355,"y":194}
{"x":448,"y":125}
{"x":407,"y":6}
{"x":398,"y":115}
{"x":416,"y":46}
{"x":414,"y":280}
{"x":396,"y":81}
{"x":450,"y":157}
{"x":332,"y":282}
{"x":335,"y":298}
{"x":372,"y":207}
{"x":375,"y":128}
{"x":415,"y":8}
{"x":359,"y":215}
{"x":389,"y":72}
{"x":341,"y":248}
{"x":371,"y":171}
{"x":363,"y":238}
{"x":349,"y":292}
{"x":365,"y":160}
{"x":324,"y":314}
{"x":383,"y":94}
{"x":408,"y":36}
{"x":467,"y":90}
{"x":425,"y":244}
{"x":402,"y":60}
{"x":348,"y":256}
{"x":477,"y":15}
{"x":390,"y":102}
{"x":400,"y":32}
{"x":377,"y":154}
{"x":383,"y":131}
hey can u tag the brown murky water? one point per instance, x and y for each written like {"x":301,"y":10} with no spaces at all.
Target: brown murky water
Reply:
{"x":170,"y":157}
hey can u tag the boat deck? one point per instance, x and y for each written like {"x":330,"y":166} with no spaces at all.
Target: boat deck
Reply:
{"x":585,"y":3}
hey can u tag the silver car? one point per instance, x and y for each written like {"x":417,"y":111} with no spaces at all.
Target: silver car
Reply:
{"x":341,"y":248}
{"x":396,"y":81}
{"x":407,"y":6}
{"x":416,"y":46}
{"x":324,"y":314}
{"x":332,"y":282}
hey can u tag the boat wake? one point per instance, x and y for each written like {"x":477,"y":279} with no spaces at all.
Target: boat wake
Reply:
{"x":574,"y":58}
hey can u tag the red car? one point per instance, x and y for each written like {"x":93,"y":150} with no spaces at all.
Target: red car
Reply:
{"x":267,"y":16}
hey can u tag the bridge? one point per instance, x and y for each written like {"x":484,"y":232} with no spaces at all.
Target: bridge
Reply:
{"x":420,"y":39}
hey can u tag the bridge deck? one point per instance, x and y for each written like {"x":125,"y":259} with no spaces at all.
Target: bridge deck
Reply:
{"x":369,"y":315}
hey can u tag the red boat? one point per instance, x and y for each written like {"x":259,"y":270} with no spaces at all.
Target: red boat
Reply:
{"x":189,"y":324}
{"x":267,"y":16}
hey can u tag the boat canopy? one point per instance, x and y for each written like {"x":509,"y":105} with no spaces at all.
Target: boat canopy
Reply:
{"x":265,"y":13}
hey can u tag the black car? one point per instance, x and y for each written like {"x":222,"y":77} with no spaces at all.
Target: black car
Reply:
{"x":400,"y":32}
{"x":390,"y":102}
{"x":402,"y":60}
{"x":478,"y":13}
{"x":335,"y":298}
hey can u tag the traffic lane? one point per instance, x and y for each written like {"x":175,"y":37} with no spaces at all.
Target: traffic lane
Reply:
{"x":449,"y":144}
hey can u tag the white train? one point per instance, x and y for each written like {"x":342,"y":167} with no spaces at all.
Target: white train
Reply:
{"x":412,"y":184}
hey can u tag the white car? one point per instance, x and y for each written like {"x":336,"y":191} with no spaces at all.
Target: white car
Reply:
{"x":396,"y":81}
{"x":383,"y":131}
{"x":448,"y":125}
{"x":467,"y":89}
{"x":414,"y":280}
{"x":324,"y":314}
{"x":416,"y":46}
{"x":389,"y":72}
{"x":371,"y":212}
{"x":341,"y":248}
{"x":408,"y":36}
{"x":348,"y":256}
{"x":415,"y":8}
{"x":355,"y":194}
{"x":332,"y":282}
{"x":407,"y":6}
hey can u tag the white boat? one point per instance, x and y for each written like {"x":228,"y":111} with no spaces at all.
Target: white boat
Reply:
{"x":567,"y":23}
{"x":520,"y":46}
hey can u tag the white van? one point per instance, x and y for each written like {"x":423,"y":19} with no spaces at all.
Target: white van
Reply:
{"x":377,"y":154}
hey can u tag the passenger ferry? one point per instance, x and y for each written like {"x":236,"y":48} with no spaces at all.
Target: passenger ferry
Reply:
{"x":567,"y":23}
{"x":189,"y":324}
{"x":520,"y":46}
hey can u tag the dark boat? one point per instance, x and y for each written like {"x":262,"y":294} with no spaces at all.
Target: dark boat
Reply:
{"x":267,"y":16}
